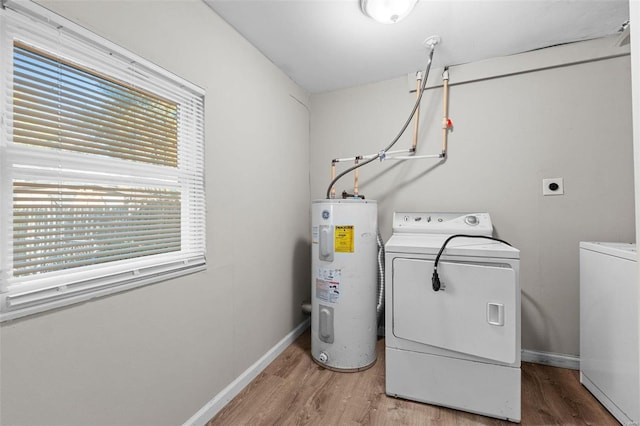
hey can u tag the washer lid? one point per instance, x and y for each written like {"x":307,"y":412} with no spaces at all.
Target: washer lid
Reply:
{"x":461,"y":246}
{"x":623,"y":250}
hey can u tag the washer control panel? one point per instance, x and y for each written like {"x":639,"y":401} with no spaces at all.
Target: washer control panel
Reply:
{"x":443,"y":223}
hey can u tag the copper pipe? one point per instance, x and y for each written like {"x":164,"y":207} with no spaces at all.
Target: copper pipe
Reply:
{"x":417,"y":116}
{"x":333,"y":176}
{"x":355,"y":179}
{"x":445,"y":110}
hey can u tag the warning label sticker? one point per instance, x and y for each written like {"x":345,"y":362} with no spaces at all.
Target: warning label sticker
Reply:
{"x":328,"y":285}
{"x":327,"y":291}
{"x":343,"y":239}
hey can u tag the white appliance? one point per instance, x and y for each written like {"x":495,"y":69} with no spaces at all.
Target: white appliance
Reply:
{"x":609,"y":359}
{"x":458,"y":347}
{"x":344,"y":278}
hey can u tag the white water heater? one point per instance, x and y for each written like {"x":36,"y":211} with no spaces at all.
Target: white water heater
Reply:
{"x":344,"y":283}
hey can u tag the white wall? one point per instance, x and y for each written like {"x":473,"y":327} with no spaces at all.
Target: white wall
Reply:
{"x":514,"y":124}
{"x":156,"y":355}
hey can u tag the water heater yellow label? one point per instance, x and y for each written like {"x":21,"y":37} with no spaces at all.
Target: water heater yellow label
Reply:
{"x":343,"y":239}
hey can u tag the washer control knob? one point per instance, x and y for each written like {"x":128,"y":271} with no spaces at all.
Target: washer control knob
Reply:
{"x":471,"y":220}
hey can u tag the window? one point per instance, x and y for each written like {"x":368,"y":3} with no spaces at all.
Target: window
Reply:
{"x":101,"y":160}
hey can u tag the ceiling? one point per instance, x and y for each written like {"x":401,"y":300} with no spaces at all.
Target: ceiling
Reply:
{"x":325,"y":45}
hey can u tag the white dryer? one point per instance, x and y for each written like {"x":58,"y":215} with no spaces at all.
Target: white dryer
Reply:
{"x":458,"y":346}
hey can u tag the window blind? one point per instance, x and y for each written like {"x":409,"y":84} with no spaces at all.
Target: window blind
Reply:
{"x":102,"y":166}
{"x":60,"y":105}
{"x":59,"y":227}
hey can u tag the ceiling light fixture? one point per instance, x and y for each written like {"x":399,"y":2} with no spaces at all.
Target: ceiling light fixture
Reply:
{"x":387,"y":11}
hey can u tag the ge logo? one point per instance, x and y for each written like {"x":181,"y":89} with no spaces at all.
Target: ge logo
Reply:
{"x":325,"y":214}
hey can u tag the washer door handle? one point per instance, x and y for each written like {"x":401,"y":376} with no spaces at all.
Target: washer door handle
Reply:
{"x":495,"y":314}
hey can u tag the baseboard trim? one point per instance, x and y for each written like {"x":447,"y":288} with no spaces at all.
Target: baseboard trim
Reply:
{"x":218,"y":402}
{"x":549,"y":358}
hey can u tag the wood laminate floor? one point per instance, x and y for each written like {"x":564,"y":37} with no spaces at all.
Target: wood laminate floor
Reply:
{"x":294,"y":390}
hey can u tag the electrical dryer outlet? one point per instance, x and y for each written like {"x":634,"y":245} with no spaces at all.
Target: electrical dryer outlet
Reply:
{"x":553,"y":186}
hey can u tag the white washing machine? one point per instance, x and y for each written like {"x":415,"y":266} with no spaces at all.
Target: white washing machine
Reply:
{"x":609,"y":357}
{"x":458,"y":346}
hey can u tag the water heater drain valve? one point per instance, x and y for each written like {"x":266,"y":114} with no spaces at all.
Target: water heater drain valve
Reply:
{"x":323,"y":357}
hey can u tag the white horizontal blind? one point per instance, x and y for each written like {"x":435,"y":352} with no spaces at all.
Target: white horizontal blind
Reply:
{"x":102,"y":167}
{"x":60,"y":105}
{"x":58,"y":227}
